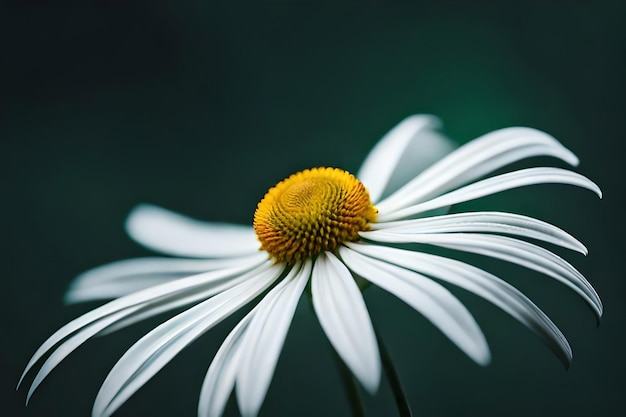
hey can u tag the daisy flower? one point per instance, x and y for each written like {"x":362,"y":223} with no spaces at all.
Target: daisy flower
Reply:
{"x":332,"y":231}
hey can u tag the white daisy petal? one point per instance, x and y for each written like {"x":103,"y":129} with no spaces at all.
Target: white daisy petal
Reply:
{"x":143,"y":298}
{"x":70,"y":344}
{"x":123,"y":277}
{"x":512,"y":250}
{"x":153,"y":351}
{"x":341,"y":311}
{"x":220,"y":378}
{"x":485,"y":222}
{"x":173,"y":234}
{"x":403,"y":153}
{"x":475,"y":159}
{"x":521,"y":178}
{"x":110,"y":290}
{"x":184,"y":298}
{"x":481,"y":283}
{"x":123,"y":318}
{"x":426,"y":296}
{"x":265,"y":338}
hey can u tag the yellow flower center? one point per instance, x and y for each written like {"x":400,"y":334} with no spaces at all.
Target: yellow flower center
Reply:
{"x":312,"y":211}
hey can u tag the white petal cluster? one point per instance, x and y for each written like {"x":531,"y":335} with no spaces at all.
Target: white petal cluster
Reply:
{"x":412,"y":184}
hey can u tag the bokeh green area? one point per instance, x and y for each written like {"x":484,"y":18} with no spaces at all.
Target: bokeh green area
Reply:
{"x":200,"y":106}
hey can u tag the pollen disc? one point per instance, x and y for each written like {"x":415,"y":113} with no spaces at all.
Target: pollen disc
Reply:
{"x":312,"y":211}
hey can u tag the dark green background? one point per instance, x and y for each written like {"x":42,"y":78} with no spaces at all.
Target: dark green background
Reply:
{"x":200,"y":106}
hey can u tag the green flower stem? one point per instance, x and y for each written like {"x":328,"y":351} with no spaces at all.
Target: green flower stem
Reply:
{"x":349,"y":383}
{"x":404,"y":409}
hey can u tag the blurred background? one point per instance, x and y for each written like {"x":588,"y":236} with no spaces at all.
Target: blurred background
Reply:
{"x":201,"y":106}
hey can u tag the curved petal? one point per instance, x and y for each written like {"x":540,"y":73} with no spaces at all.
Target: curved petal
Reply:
{"x":183,"y":298}
{"x":173,"y":234}
{"x":150,"y":297}
{"x":153,"y":351}
{"x":110,"y":290}
{"x":475,"y":159}
{"x":481,"y":283}
{"x":220,"y":378}
{"x":427,"y":297}
{"x":265,"y":338}
{"x":511,"y":250}
{"x":404,"y":152}
{"x":515,"y":179}
{"x":71,"y":344}
{"x":341,"y":311}
{"x":484,"y":222}
{"x":121,"y":278}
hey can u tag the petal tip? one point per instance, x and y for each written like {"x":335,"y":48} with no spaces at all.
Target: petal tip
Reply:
{"x":372,"y":383}
{"x":135,"y":214}
{"x":484,"y":359}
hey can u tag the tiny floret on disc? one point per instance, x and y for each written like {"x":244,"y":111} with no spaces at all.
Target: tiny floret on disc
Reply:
{"x":312,"y":211}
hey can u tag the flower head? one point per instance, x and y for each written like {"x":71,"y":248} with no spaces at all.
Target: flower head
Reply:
{"x":311,"y":212}
{"x":326,"y":227}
